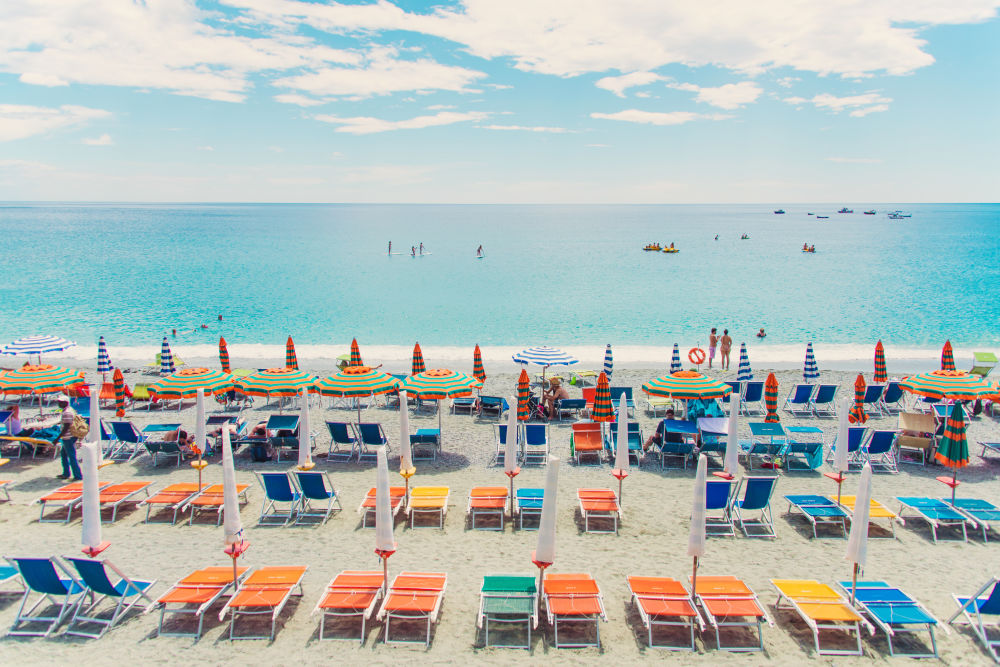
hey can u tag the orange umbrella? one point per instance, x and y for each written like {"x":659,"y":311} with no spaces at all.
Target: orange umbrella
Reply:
{"x":880,"y":375}
{"x":355,"y":354}
{"x":478,"y":371}
{"x":947,"y":357}
{"x":523,"y":392}
{"x":771,"y":399}
{"x":602,"y":411}
{"x":417,"y":365}
{"x":119,"y":381}
{"x":291,"y":361}
{"x":224,"y":355}
{"x":857,"y":414}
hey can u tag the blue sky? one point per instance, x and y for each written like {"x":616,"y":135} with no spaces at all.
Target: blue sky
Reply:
{"x":632,"y":101}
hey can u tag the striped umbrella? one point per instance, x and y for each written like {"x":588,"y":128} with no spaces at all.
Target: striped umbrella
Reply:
{"x":744,"y":373}
{"x":39,"y":379}
{"x":275,"y":382}
{"x":687,"y":385}
{"x":355,"y":354}
{"x":771,"y":399}
{"x":544,"y":356}
{"x":609,"y":363}
{"x":478,"y":371}
{"x":224,"y":355}
{"x":857,"y":414}
{"x":602,"y":411}
{"x":523,"y":393}
{"x":810,"y":372}
{"x":358,"y":381}
{"x":953,"y":450}
{"x":119,"y":381}
{"x":417,"y":365}
{"x":37,"y":345}
{"x":166,"y":359}
{"x":440,"y":383}
{"x":675,"y":360}
{"x":103,"y":360}
{"x":947,"y":357}
{"x":880,"y":375}
{"x":954,"y":385}
{"x":291,"y":361}
{"x":186,"y":382}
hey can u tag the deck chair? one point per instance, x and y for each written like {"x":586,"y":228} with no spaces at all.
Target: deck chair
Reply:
{"x":432,"y":500}
{"x":397,"y":498}
{"x":586,"y":440}
{"x":140,"y":392}
{"x":582,"y":377}
{"x":528,"y":503}
{"x":510,"y":600}
{"x":569,"y":406}
{"x":195,"y":594}
{"x":599,"y":504}
{"x":823,"y":402}
{"x":351,"y":594}
{"x":125,"y":594}
{"x":855,"y":436}
{"x":873,"y":399}
{"x":281,"y":498}
{"x":635,"y":452}
{"x":657,"y":404}
{"x":982,"y":611}
{"x":128,"y":441}
{"x":892,"y":400}
{"x":616,"y":397}
{"x":757,"y":492}
{"x":664,"y":602}
{"x":819,"y":510}
{"x":500,"y":440}
{"x":173,"y":498}
{"x":799,"y":400}
{"x":752,"y":401}
{"x":982,"y":513}
{"x":821,"y":608}
{"x":737,"y":391}
{"x":880,"y":450}
{"x":370,"y":436}
{"x":343,"y":441}
{"x":414,"y":596}
{"x":673,"y":444}
{"x":8,"y":574}
{"x":718,"y":499}
{"x":55,"y":585}
{"x":916,"y":434}
{"x":465,"y":404}
{"x":4,"y":483}
{"x":729,"y":603}
{"x":264,"y":593}
{"x":588,"y":394}
{"x":316,"y":487}
{"x":115,"y":495}
{"x":936,"y":513}
{"x":492,"y":405}
{"x":67,"y":497}
{"x":574,"y":599}
{"x":991,"y":447}
{"x":894,"y":612}
{"x":876,"y":510}
{"x":210,"y":498}
{"x":486,"y":502}
{"x":983,"y":363}
{"x":536,"y":444}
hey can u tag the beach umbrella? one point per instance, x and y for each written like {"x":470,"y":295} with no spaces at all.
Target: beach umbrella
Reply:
{"x":602,"y":411}
{"x":94,"y":434}
{"x":103,"y":360}
{"x":545,"y":548}
{"x":687,"y":385}
{"x":880,"y":376}
{"x":771,"y":399}
{"x":275,"y":382}
{"x":232,"y":527}
{"x":406,"y":467}
{"x":744,"y":373}
{"x":953,"y":449}
{"x":186,"y":382}
{"x":857,"y":540}
{"x":523,"y":393}
{"x":358,"y":381}
{"x":355,"y":354}
{"x":620,"y":471}
{"x":224,"y":355}
{"x":609,"y":363}
{"x":305,"y":435}
{"x":440,"y":383}
{"x":544,"y":356}
{"x":291,"y":361}
{"x":385,"y":545}
{"x":809,"y":371}
{"x":951,"y":385}
{"x":119,"y":381}
{"x":91,"y":529}
{"x":510,"y":467}
{"x":166,"y":358}
{"x":39,"y":379}
{"x":840,"y":452}
{"x":37,"y":345}
{"x":675,"y":360}
{"x":947,"y":357}
{"x":417,"y":365}
{"x":697,"y":536}
{"x":478,"y":371}
{"x":732,"y":460}
{"x":857,"y":414}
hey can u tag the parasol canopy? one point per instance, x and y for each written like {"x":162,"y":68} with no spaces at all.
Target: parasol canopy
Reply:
{"x":119,"y":382}
{"x":224,"y":355}
{"x":675,"y":360}
{"x":602,"y":411}
{"x":439,"y":383}
{"x":810,"y":371}
{"x":103,"y":359}
{"x":186,"y":382}
{"x":275,"y":382}
{"x":478,"y":371}
{"x":523,"y":394}
{"x":771,"y":399}
{"x":857,"y":415}
{"x":609,"y":362}
{"x":356,"y":381}
{"x":687,"y":385}
{"x":880,"y":377}
{"x":37,"y":345}
{"x":355,"y":359}
{"x":954,"y":385}
{"x":947,"y":357}
{"x":744,"y":373}
{"x":953,"y":450}
{"x":291,"y":361}
{"x":166,"y":358}
{"x":39,"y":379}
{"x":417,"y":365}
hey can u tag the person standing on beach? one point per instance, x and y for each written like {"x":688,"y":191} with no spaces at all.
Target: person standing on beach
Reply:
{"x":725,"y":345}
{"x":67,"y":450}
{"x":713,"y":341}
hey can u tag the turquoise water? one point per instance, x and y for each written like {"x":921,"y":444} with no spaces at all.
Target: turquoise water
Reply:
{"x":552,"y":274}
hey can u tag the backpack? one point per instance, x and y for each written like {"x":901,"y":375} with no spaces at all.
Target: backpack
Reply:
{"x":79,"y":428}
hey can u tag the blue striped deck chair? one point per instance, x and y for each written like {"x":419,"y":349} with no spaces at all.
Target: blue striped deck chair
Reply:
{"x":343,"y":441}
{"x":752,"y":401}
{"x":757,"y":492}
{"x":982,"y":513}
{"x":370,"y":435}
{"x":737,"y":388}
{"x":634,"y":442}
{"x":880,"y":450}
{"x":936,"y":513}
{"x":316,"y":487}
{"x":281,"y":498}
{"x":536,"y":444}
{"x":823,"y":402}
{"x":54,"y":584}
{"x":873,"y":399}
{"x":528,"y":503}
{"x":718,"y":501}
{"x":855,"y":436}
{"x":977,"y":606}
{"x":892,"y":401}
{"x":799,"y":400}
{"x":819,"y":510}
{"x":125,"y":594}
{"x":616,"y":397}
{"x":894,"y":612}
{"x":128,"y":441}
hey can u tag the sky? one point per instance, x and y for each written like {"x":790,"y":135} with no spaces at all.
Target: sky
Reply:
{"x":481,"y":101}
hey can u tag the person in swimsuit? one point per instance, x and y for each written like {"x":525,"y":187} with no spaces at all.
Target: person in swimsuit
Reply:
{"x":713,"y":341}
{"x":725,"y":345}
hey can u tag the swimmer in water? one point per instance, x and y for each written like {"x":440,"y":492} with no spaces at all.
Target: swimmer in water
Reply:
{"x":479,"y":251}
{"x":421,"y":248}
{"x":413,"y":251}
{"x":716,"y":237}
{"x":390,"y":247}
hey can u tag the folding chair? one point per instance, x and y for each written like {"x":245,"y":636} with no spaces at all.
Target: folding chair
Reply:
{"x":819,"y":510}
{"x":281,"y":498}
{"x":370,"y":436}
{"x":490,"y":405}
{"x":873,"y":399}
{"x":894,"y":612}
{"x":821,"y":608}
{"x":975,"y":607}
{"x":752,"y":401}
{"x":855,"y":436}
{"x":880,"y":450}
{"x":599,"y":504}
{"x":500,"y":440}
{"x":414,"y":596}
{"x":823,"y":402}
{"x":195,"y":594}
{"x":125,"y":594}
{"x":586,"y":440}
{"x":128,"y":441}
{"x":397,"y":496}
{"x":729,"y":603}
{"x":718,"y":500}
{"x":316,"y":487}
{"x":264,"y":593}
{"x":343,"y":441}
{"x":569,"y":406}
{"x":757,"y":492}
{"x":508,"y":599}
{"x":799,"y":400}
{"x":486,"y":502}
{"x":536,"y":444}
{"x":664,"y":602}
{"x":49,"y":579}
{"x":893,"y":399}
{"x":351,"y":594}
{"x":573,"y":598}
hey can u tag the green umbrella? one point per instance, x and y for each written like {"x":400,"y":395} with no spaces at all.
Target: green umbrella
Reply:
{"x":953,"y":450}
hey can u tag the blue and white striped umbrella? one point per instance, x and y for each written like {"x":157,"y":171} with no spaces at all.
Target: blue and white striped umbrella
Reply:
{"x":544,"y":356}
{"x":810,"y":372}
{"x":103,"y":360}
{"x":609,"y":362}
{"x":37,"y":345}
{"x":166,"y":359}
{"x":744,"y":373}
{"x":675,"y":360}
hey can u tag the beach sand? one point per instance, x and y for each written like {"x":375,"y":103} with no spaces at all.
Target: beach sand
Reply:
{"x":652,"y":540}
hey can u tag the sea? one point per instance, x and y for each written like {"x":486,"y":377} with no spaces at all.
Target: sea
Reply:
{"x":560,"y":275}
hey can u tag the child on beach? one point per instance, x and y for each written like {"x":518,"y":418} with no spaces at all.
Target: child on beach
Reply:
{"x":725,"y":345}
{"x":713,"y":341}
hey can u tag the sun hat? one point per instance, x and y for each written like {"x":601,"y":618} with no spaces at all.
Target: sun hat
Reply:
{"x":62,"y":398}
{"x":555,"y":381}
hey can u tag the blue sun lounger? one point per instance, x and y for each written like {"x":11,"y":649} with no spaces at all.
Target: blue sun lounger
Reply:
{"x":49,"y":579}
{"x":757,"y":492}
{"x":634,"y":442}
{"x":718,"y":501}
{"x":823,"y":402}
{"x":799,"y":398}
{"x":125,"y":594}
{"x":894,"y":612}
{"x":975,"y":607}
{"x":983,"y":513}
{"x":343,"y":442}
{"x":819,"y":510}
{"x":937,"y":514}
{"x":528,"y":502}
{"x":371,"y":436}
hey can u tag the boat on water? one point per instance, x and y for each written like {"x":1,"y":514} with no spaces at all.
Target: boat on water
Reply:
{"x":810,"y":214}
{"x":870,"y":212}
{"x":652,"y":247}
{"x":846,"y":210}
{"x":822,"y":217}
{"x":671,"y":249}
{"x":780,"y":211}
{"x":899,"y":215}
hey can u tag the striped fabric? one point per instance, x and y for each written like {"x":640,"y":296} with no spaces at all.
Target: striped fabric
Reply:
{"x":37,"y":345}
{"x":602,"y":411}
{"x":39,"y":379}
{"x":355,"y":354}
{"x":291,"y":361}
{"x":880,"y":377}
{"x":744,"y":373}
{"x":119,"y":381}
{"x":947,"y":357}
{"x":478,"y":371}
{"x":356,"y":381}
{"x":103,"y":359}
{"x":675,"y":360}
{"x":687,"y":385}
{"x":224,"y":355}
{"x":953,"y":450}
{"x":544,"y":356}
{"x":810,"y":372}
{"x":417,"y":365}
{"x":954,"y":385}
{"x":857,"y":414}
{"x":166,"y":359}
{"x":609,"y":363}
{"x":771,"y":399}
{"x":186,"y":382}
{"x":440,"y":383}
{"x":523,"y":392}
{"x":275,"y":382}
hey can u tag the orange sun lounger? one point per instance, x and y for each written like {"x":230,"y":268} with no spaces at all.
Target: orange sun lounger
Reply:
{"x":352,"y":593}
{"x":114,"y":495}
{"x":431,"y":500}
{"x":68,"y":496}
{"x":195,"y":594}
{"x":210,"y":498}
{"x":586,"y":440}
{"x":173,"y":497}
{"x":487,"y":501}
{"x":367,"y":507}
{"x":730,"y":603}
{"x":821,"y":608}
{"x":573,"y":598}
{"x":265,"y":592}
{"x":414,"y":596}
{"x":664,"y":602}
{"x":599,"y":504}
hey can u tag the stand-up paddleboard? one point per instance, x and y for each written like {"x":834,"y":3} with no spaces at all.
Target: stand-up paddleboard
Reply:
{"x":397,"y":253}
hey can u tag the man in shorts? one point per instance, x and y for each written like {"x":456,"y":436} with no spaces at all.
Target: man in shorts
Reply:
{"x":713,"y":341}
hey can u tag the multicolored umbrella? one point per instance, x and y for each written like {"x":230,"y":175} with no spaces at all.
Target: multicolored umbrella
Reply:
{"x":744,"y":372}
{"x":119,"y":381}
{"x":166,"y":358}
{"x":953,"y":450}
{"x":275,"y":382}
{"x":675,"y":360}
{"x":544,"y":356}
{"x":880,"y":377}
{"x":771,"y":399}
{"x":954,"y":385}
{"x":417,"y":365}
{"x":857,"y":414}
{"x":947,"y":357}
{"x":186,"y":382}
{"x":687,"y":385}
{"x":355,"y":381}
{"x":609,"y":363}
{"x":355,"y":354}
{"x":103,"y":360}
{"x":602,"y":411}
{"x":523,"y":393}
{"x":291,"y":361}
{"x":39,"y":379}
{"x":224,"y":355}
{"x":809,"y":371}
{"x":37,"y":345}
{"x":478,"y":371}
{"x":440,"y":383}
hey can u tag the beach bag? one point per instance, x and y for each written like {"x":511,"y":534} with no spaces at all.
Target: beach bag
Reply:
{"x":79,"y":428}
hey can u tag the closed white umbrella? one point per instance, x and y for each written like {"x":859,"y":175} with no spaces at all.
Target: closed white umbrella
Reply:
{"x":305,"y":435}
{"x":732,"y":462}
{"x":200,"y":439}
{"x":92,"y":544}
{"x":232,"y":527}
{"x":385,"y":546}
{"x":545,"y":548}
{"x":621,"y":451}
{"x":94,"y":434}
{"x":406,"y":467}
{"x":840,"y":453}
{"x":857,"y":541}
{"x":510,"y":467}
{"x":696,"y":539}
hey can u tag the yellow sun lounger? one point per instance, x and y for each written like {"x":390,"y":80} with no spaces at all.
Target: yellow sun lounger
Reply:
{"x":428,"y":500}
{"x":821,"y":608}
{"x":876,"y":511}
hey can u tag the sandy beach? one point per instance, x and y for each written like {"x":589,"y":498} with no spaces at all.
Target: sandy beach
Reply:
{"x":652,"y":540}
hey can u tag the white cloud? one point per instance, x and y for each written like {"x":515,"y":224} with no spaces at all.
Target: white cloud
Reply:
{"x":103,"y":140}
{"x":207,"y":149}
{"x":300,"y":100}
{"x":860,"y":105}
{"x":439,"y":107}
{"x":788,"y":81}
{"x":523,"y":128}
{"x":854,"y":160}
{"x":619,"y":84}
{"x":20,"y":121}
{"x":368,"y":125}
{"x":728,"y":96}
{"x":876,"y":108}
{"x":657,"y":118}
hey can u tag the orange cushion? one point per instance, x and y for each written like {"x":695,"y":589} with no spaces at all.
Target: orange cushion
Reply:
{"x":212,"y":576}
{"x":574,"y":606}
{"x":721,"y":607}
{"x":347,"y":599}
{"x":412,"y":601}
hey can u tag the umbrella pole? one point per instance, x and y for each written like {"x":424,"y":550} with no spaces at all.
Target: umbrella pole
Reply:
{"x":694,"y":578}
{"x":840,"y":481}
{"x":620,"y":480}
{"x":954,"y":484}
{"x":385,"y":570}
{"x":440,"y":439}
{"x":854,"y":583}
